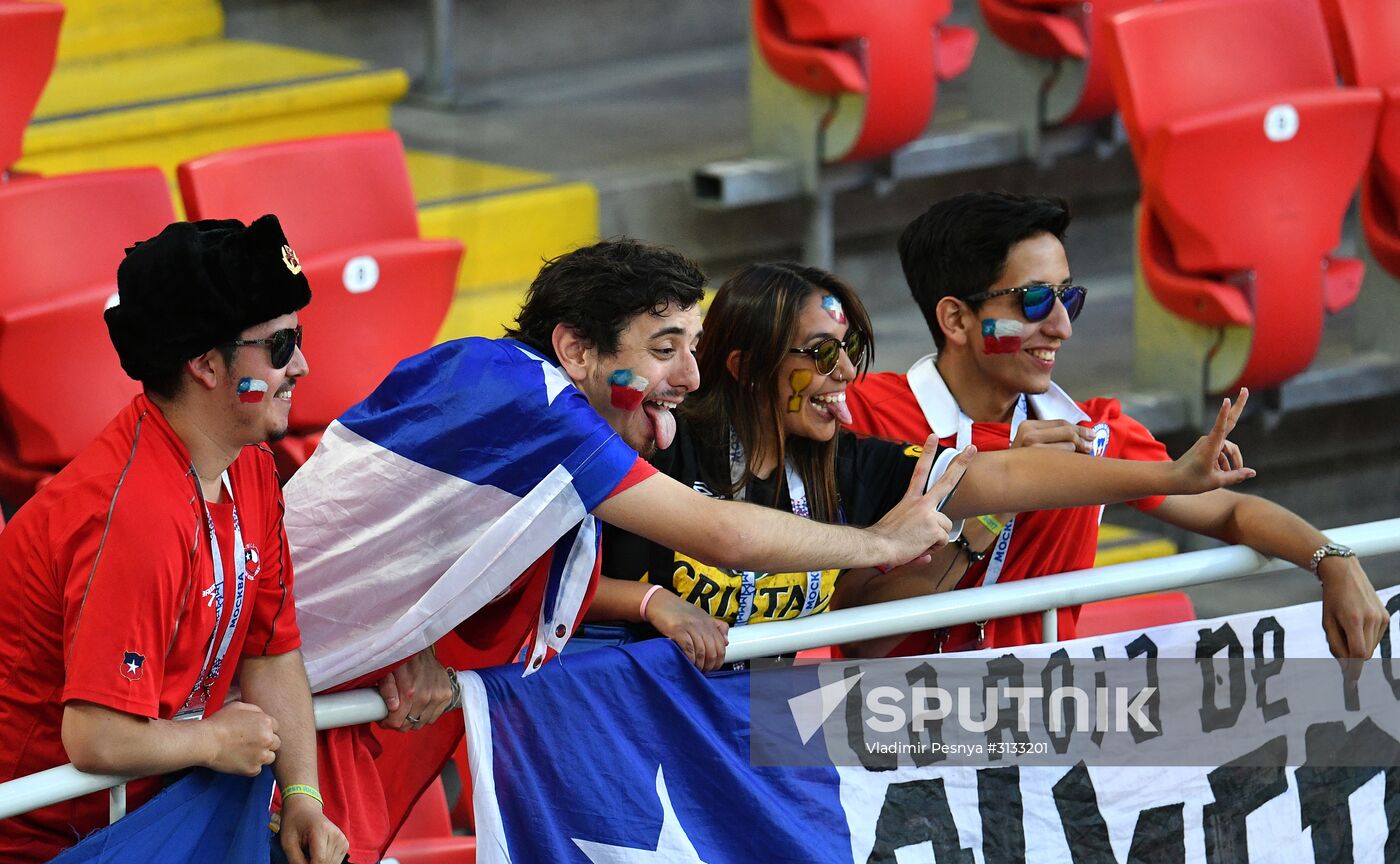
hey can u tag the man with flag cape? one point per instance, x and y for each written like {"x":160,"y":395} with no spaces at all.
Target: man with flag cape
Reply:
{"x":456,"y":505}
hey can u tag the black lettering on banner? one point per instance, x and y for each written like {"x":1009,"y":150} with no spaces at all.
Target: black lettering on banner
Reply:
{"x":1143,"y":646}
{"x":1058,"y":666}
{"x":1392,"y":813}
{"x":915,"y":813}
{"x":1003,"y":815}
{"x":772,"y":592}
{"x":705,"y":589}
{"x":1100,"y":685}
{"x":1010,"y":670}
{"x":1241,"y":787}
{"x":1158,"y":838}
{"x":1324,"y":792}
{"x":855,"y":729}
{"x":924,"y":675}
{"x":1208,"y":644}
{"x":1387,"y":663}
{"x":1264,"y":670}
{"x":796,"y":597}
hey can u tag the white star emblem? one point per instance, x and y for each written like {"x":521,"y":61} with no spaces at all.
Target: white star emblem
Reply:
{"x":672,"y":845}
{"x":555,"y":381}
{"x":131,"y":667}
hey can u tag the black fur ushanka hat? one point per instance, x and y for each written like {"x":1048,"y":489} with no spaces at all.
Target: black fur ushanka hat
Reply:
{"x":197,"y":285}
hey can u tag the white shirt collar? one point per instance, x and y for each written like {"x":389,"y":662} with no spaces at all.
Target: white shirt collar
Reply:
{"x":941,"y":409}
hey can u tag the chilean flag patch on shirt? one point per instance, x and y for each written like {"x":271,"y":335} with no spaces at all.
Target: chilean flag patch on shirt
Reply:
{"x":131,"y":665}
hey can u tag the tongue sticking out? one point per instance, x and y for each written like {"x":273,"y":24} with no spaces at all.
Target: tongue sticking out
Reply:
{"x":841,"y":412}
{"x":663,"y":424}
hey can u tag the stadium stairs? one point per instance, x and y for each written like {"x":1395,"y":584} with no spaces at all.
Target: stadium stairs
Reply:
{"x":142,"y":82}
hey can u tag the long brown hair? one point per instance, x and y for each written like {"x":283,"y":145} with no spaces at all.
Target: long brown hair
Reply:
{"x":756,"y":312}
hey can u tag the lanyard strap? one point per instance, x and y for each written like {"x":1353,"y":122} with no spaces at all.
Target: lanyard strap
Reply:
{"x":1001,"y":549}
{"x":218,"y":646}
{"x":797,"y":497}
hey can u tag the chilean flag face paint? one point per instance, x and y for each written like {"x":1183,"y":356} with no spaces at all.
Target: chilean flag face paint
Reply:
{"x":627,"y":389}
{"x":1001,"y":335}
{"x":252,"y":390}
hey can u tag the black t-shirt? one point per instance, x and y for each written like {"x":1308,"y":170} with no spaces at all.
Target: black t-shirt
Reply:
{"x":871,"y":476}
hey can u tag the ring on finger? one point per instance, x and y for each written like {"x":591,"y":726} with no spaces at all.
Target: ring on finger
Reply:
{"x":414,"y":721}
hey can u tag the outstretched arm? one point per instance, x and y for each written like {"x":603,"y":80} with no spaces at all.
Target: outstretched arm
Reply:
{"x":745,"y":536}
{"x":1043,"y":478}
{"x":1352,"y":615}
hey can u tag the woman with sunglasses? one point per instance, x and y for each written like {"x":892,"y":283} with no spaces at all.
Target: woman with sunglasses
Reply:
{"x":781,"y":343}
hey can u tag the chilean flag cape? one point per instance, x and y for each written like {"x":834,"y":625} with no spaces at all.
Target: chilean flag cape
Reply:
{"x":429,"y":499}
{"x":473,"y":463}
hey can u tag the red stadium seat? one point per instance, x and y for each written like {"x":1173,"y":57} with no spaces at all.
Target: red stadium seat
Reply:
{"x":59,"y":234}
{"x":28,"y":45}
{"x":1134,"y":613}
{"x":60,"y":380}
{"x":1248,"y":154}
{"x":893,"y":52}
{"x":379,"y":293}
{"x":1365,"y":36}
{"x":1067,"y":31}
{"x":61,"y":239}
{"x":426,"y":836}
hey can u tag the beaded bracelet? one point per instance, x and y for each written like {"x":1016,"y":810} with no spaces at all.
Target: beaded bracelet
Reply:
{"x":302,"y":789}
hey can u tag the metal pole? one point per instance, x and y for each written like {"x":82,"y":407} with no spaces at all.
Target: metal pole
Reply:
{"x":439,"y":78}
{"x":1004,"y":599}
{"x":1050,"y":625}
{"x":844,"y":625}
{"x":116,"y":802}
{"x":819,"y":244}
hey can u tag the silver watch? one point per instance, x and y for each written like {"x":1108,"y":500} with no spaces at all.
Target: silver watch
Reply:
{"x":1329,"y":550}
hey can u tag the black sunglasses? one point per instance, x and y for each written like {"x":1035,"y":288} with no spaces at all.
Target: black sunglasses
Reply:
{"x":827,"y":353}
{"x":280,"y":345}
{"x":1038,"y":300}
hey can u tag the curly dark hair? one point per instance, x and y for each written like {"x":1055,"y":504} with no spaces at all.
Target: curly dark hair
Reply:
{"x":958,"y":247}
{"x":598,"y":289}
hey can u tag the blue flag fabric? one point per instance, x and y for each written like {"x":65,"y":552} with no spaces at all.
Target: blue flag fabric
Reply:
{"x":423,"y":503}
{"x":203,"y":818}
{"x":630,"y":754}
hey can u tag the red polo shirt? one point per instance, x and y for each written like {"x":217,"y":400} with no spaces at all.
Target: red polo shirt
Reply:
{"x":110,"y":598}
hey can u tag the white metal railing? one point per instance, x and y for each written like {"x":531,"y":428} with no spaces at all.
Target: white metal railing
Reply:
{"x":1046,"y":594}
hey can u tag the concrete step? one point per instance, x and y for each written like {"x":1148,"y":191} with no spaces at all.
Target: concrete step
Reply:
{"x":1119,"y":544}
{"x":98,"y":28}
{"x":167,"y":105}
{"x":510,"y":219}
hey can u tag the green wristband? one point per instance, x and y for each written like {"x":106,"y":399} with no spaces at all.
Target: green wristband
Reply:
{"x":302,"y":789}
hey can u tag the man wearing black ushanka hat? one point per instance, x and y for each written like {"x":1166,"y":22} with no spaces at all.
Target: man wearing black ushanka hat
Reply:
{"x":120,"y":616}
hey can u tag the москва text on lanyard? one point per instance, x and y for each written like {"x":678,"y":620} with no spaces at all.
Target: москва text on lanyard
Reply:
{"x":1001,"y":549}
{"x":219,"y":643}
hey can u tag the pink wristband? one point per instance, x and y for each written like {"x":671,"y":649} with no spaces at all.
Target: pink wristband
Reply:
{"x":646,"y":598}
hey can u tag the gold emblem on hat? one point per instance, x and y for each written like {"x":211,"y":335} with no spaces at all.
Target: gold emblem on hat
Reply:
{"x":289,"y":257}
